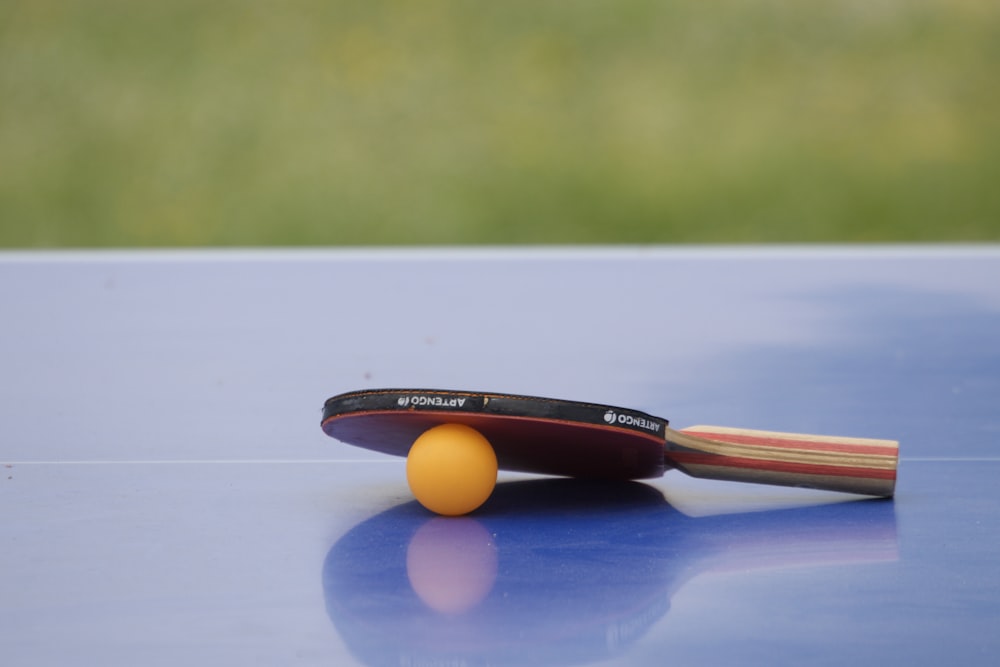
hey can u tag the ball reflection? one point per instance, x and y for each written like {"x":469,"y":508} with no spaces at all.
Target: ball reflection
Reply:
{"x":451,"y":564}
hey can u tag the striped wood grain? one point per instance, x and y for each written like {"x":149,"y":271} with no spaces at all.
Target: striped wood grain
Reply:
{"x":853,"y":465}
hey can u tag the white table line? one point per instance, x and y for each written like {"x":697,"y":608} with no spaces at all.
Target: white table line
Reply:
{"x":949,"y":459}
{"x":764,"y":252}
{"x":10,"y":463}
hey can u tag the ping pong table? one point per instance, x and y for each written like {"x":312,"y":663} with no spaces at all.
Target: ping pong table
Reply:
{"x":167,"y":495}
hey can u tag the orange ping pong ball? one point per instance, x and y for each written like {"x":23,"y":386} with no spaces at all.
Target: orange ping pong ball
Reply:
{"x":451,"y":469}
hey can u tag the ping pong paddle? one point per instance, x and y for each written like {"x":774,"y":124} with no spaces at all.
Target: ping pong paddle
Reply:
{"x":575,"y":439}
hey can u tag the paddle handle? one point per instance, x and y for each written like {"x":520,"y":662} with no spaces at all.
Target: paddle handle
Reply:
{"x":853,"y":465}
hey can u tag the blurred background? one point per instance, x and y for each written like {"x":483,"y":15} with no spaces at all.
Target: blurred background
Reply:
{"x":244,"y":123}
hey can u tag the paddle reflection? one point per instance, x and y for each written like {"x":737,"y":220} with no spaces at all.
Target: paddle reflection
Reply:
{"x":561,"y":571}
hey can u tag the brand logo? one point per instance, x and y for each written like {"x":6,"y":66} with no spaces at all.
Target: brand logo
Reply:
{"x":634,"y":421}
{"x":421,"y":401}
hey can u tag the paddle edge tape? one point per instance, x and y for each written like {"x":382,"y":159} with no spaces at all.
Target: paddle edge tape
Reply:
{"x":510,"y":405}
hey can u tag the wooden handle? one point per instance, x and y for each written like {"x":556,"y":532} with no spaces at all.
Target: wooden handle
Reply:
{"x":852,"y":465}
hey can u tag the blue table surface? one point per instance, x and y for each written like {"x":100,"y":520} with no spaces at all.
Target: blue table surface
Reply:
{"x":167,"y":495}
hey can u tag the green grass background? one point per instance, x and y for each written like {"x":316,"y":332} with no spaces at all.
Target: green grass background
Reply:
{"x":185,"y":123}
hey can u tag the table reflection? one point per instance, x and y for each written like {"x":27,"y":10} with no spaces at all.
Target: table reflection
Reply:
{"x":561,"y":571}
